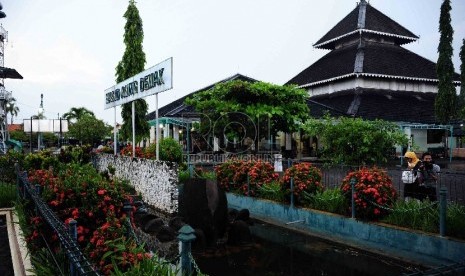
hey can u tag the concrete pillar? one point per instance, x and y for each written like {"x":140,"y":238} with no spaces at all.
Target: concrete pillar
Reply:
{"x":166,"y":131}
{"x":152,"y":134}
{"x":176,"y":132}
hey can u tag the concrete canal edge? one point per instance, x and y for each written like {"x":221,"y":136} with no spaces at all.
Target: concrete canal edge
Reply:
{"x":19,"y":253}
{"x":410,"y":245}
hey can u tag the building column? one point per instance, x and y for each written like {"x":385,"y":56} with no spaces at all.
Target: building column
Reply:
{"x":166,"y":131}
{"x":152,"y":135}
{"x":176,"y":132}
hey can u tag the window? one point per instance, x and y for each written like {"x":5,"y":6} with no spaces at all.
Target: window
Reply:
{"x":434,"y":136}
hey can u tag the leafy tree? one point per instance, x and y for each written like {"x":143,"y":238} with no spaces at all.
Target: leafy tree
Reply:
{"x":355,"y":141}
{"x":12,"y":108}
{"x":76,"y":113}
{"x":446,"y":100}
{"x":132,"y":63}
{"x":239,"y":109}
{"x":89,"y":130}
{"x":19,"y":135}
{"x":462,"y":80}
{"x":40,"y":116}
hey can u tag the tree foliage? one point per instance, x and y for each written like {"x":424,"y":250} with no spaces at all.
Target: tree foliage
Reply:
{"x":132,"y":63}
{"x":89,"y":130}
{"x":76,"y":113}
{"x":239,"y":108}
{"x":446,"y":100}
{"x":462,"y":80}
{"x":12,"y":108}
{"x":355,"y":141}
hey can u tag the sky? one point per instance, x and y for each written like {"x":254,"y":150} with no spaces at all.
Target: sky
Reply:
{"x":68,"y":50}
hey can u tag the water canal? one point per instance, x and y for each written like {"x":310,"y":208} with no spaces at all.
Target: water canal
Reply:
{"x":280,"y":251}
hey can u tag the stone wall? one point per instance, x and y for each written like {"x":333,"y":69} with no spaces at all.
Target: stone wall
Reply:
{"x":156,"y":181}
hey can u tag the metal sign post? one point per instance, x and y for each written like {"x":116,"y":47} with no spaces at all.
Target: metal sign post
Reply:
{"x":154,"y":80}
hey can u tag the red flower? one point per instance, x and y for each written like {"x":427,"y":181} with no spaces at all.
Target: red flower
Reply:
{"x":75,"y":213}
{"x":54,"y":203}
{"x":101,"y":192}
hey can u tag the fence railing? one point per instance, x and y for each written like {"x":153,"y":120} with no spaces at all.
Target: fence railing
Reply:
{"x":453,"y":181}
{"x":332,"y":177}
{"x":79,"y":265}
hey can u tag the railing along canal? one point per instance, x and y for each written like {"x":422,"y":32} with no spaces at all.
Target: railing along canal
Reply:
{"x":79,"y":265}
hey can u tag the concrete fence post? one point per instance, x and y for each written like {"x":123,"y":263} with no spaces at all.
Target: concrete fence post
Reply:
{"x":72,"y":228}
{"x":37,"y":189}
{"x":186,"y":236}
{"x":442,"y":211}
{"x":352,"y":184}
{"x":292,"y":192}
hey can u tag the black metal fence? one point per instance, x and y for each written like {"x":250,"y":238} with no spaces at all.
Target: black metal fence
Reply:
{"x":453,"y":181}
{"x":79,"y":265}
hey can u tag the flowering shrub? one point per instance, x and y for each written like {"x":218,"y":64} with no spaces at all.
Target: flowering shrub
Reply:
{"x":79,"y":193}
{"x":307,"y":178}
{"x":127,"y":151}
{"x":232,"y":174}
{"x":246,"y":176}
{"x":259,"y":173}
{"x":170,"y":150}
{"x":373,"y":191}
{"x":109,"y":240}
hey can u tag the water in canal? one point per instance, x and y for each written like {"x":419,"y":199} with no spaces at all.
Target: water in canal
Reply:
{"x":280,"y":251}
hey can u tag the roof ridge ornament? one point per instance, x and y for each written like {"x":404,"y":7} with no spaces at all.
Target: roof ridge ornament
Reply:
{"x":362,"y":8}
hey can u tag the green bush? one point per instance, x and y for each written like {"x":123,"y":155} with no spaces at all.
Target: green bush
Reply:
{"x":7,"y":165}
{"x":272,"y":191}
{"x":170,"y":150}
{"x":415,"y":214}
{"x":455,"y":222}
{"x":7,"y":195}
{"x":331,"y":200}
{"x":40,"y":160}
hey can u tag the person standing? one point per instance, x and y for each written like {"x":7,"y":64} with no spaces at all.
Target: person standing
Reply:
{"x":428,"y":177}
{"x":412,"y":183}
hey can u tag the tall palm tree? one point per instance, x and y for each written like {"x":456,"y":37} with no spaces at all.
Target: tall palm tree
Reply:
{"x":76,"y":113}
{"x":12,"y":108}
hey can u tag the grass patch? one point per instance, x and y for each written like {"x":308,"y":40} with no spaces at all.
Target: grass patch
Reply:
{"x":414,"y":214}
{"x":7,"y":195}
{"x":455,"y":222}
{"x":330,"y":200}
{"x":272,"y":191}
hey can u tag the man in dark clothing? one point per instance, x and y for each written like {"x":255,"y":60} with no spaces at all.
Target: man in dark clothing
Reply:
{"x":428,"y":177}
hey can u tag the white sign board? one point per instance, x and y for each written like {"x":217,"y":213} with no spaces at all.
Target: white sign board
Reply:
{"x":154,"y":80}
{"x":45,"y":125}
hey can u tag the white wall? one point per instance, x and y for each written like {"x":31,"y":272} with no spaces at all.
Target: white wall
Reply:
{"x":156,"y":181}
{"x":372,"y":83}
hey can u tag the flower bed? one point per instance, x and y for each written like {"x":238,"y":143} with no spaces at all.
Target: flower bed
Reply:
{"x":374,"y":192}
{"x":78,"y":192}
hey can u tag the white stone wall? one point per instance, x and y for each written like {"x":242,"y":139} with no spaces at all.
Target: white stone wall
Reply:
{"x":156,"y":181}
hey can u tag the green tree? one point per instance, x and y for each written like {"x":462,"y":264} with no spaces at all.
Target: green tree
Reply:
{"x":132,"y":63}
{"x":446,"y":101}
{"x":89,"y":130}
{"x":76,"y":113}
{"x":12,"y":108}
{"x":462,"y":80}
{"x":354,"y":141}
{"x":19,"y":135}
{"x":236,"y":109}
{"x":40,"y":116}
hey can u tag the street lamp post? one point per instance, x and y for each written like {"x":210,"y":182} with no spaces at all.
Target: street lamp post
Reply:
{"x":41,"y":111}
